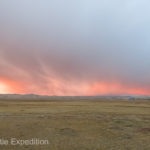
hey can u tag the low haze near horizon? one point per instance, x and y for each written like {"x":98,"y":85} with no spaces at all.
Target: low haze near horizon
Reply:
{"x":82,"y":47}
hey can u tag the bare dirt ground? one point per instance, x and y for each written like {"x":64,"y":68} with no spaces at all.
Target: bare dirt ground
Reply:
{"x":77,"y":125}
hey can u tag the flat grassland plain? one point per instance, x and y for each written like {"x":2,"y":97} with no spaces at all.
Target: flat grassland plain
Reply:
{"x":77,"y":124}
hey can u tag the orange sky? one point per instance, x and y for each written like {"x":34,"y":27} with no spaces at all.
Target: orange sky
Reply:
{"x":8,"y":86}
{"x":102,"y":88}
{"x":74,"y":89}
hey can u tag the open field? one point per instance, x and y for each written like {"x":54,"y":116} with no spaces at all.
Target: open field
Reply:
{"x":77,"y":124}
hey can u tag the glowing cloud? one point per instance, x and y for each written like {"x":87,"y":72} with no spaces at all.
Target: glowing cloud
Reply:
{"x":3,"y":88}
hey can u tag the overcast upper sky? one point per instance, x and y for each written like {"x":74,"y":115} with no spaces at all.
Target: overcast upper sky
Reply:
{"x":75,"y":47}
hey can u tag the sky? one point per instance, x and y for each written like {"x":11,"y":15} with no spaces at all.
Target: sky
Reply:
{"x":75,"y":47}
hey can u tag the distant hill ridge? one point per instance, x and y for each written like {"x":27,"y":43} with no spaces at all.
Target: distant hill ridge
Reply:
{"x":41,"y":97}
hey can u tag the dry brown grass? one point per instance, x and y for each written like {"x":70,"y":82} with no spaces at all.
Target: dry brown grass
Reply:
{"x":77,"y":125}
